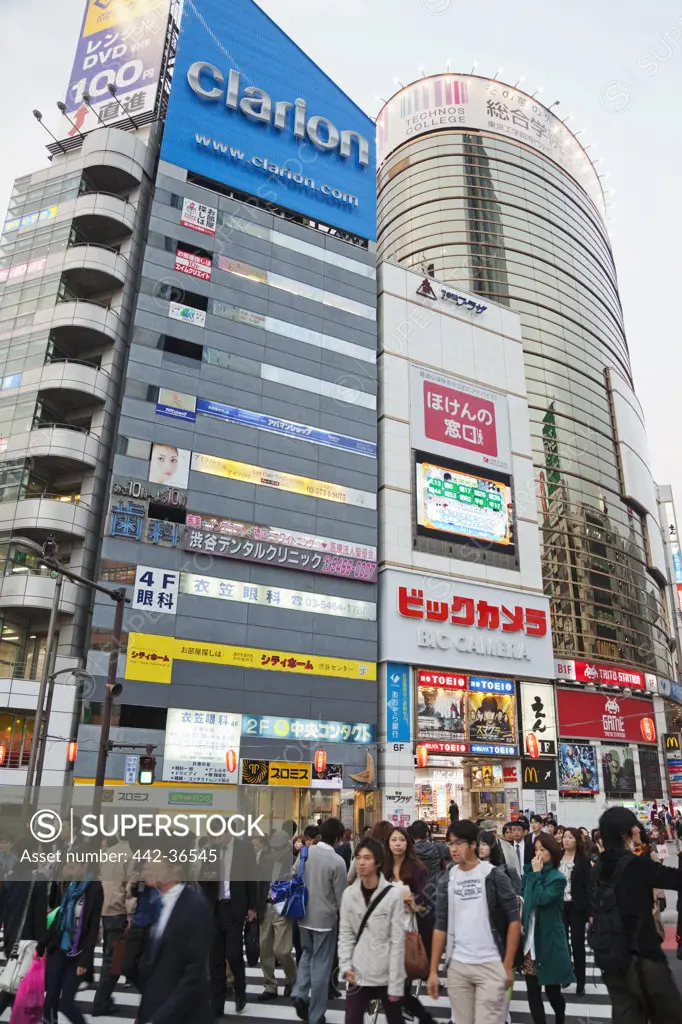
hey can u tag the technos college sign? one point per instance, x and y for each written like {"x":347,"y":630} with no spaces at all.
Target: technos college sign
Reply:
{"x":457,"y":624}
{"x":208,"y":82}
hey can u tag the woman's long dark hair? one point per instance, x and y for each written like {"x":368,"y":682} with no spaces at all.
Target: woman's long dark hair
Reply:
{"x":412,"y":871}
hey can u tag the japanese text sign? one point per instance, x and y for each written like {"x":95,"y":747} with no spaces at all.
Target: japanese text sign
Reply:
{"x":315,"y":731}
{"x":199,"y":217}
{"x":604,"y":716}
{"x":538,"y":720}
{"x":398,"y":703}
{"x":156,"y":590}
{"x":196,"y":745}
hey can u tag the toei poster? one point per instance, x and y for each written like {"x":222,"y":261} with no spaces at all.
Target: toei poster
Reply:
{"x":578,"y":775}
{"x":491,"y":717}
{"x":441,"y":706}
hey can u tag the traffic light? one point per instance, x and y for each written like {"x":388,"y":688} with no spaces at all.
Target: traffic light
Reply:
{"x":145,"y":775}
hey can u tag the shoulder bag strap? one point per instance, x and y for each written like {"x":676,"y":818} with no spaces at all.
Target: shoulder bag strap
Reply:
{"x":24,"y":914}
{"x":302,"y":859}
{"x":368,"y":913}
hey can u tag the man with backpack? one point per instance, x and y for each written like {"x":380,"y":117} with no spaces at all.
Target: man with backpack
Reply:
{"x":623,"y":936}
{"x":434,"y":856}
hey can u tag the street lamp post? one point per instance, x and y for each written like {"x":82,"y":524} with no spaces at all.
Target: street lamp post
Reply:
{"x":50,"y":651}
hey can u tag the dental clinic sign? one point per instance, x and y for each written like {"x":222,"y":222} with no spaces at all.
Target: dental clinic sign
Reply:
{"x":457,"y":625}
{"x":260,"y":116}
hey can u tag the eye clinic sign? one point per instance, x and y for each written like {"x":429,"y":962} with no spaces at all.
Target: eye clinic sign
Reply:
{"x":454,"y":624}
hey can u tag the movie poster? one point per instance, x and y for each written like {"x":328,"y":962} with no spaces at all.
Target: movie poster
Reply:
{"x":441,"y":713}
{"x":578,"y":774}
{"x":491,"y":717}
{"x":618,"y":771}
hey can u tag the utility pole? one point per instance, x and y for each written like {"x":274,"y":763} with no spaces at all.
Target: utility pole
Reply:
{"x":113,"y":689}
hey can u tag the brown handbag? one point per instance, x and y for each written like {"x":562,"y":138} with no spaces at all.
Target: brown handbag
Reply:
{"x":117,"y":955}
{"x":416,"y":960}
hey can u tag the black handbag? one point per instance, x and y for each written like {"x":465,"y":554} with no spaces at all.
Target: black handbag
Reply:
{"x":252,"y":942}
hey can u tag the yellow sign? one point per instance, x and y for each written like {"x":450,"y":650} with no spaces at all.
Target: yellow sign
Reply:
{"x":247,"y":474}
{"x":105,"y":14}
{"x":150,"y":659}
{"x":289,"y":773}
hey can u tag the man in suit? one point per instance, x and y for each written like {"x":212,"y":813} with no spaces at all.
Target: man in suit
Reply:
{"x":230,"y":885}
{"x":523,"y":845}
{"x":174,"y":968}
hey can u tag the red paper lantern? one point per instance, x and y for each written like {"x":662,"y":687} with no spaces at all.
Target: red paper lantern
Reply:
{"x":532,"y":745}
{"x":422,"y":756}
{"x":648,"y":730}
{"x":3,"y":754}
{"x":231,"y":761}
{"x":320,"y":760}
{"x":71,"y":751}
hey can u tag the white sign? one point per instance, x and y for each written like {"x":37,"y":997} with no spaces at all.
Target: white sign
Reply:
{"x":459,"y":420}
{"x":156,"y":590}
{"x":463,"y":101}
{"x":539,"y":734}
{"x":197,"y":747}
{"x":132,"y":764}
{"x":398,"y":806}
{"x":457,"y":625}
{"x":187,"y":314}
{"x":276,"y":597}
{"x":199,"y":217}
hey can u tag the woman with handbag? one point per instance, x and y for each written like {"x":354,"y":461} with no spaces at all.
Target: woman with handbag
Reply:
{"x":24,"y":920}
{"x":403,"y":869}
{"x":70,"y":947}
{"x":372,"y":938}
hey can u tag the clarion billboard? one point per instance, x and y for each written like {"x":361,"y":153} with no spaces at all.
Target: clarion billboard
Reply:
{"x":249,"y":109}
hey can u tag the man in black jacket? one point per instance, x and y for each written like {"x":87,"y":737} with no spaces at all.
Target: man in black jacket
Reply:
{"x":434,"y":856}
{"x":645,"y":990}
{"x":230,"y":886}
{"x":523,"y":845}
{"x":174,"y":969}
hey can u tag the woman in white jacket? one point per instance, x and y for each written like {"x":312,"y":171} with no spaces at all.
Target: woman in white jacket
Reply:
{"x":372,"y":938}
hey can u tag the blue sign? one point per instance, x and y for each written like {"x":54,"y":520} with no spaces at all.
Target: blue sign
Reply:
{"x":397,"y":703}
{"x":276,"y":425}
{"x":249,"y":109}
{"x":502,"y":749}
{"x":491,"y":685}
{"x":271,"y":727}
{"x":175,"y":414}
{"x":132,"y":764}
{"x":671,"y":689}
{"x":677,"y":561}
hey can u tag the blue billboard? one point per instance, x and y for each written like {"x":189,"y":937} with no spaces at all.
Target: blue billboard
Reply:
{"x":249,"y":109}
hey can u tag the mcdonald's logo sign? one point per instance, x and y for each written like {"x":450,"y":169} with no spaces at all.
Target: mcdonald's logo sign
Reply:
{"x":538,"y":773}
{"x":671,"y":741}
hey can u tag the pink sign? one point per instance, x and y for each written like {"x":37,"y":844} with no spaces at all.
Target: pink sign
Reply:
{"x":459,"y":419}
{"x":195,"y":266}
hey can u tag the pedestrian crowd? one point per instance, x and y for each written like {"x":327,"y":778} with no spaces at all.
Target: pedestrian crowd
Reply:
{"x":395,"y":908}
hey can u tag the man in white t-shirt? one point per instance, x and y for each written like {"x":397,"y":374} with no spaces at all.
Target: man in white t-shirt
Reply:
{"x":478,"y":925}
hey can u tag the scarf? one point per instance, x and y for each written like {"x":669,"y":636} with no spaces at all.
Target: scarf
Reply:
{"x":67,"y":913}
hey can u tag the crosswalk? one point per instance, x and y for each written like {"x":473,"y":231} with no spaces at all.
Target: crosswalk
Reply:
{"x":591,"y":1008}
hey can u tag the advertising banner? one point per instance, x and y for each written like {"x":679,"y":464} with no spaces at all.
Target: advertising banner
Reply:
{"x":230,"y":470}
{"x":578,"y":775}
{"x":29,"y":220}
{"x":258,"y":115}
{"x":603,"y":675}
{"x":169,"y":466}
{"x":269,"y":545}
{"x":269,"y":727}
{"x":539,"y":773}
{"x":456,"y":503}
{"x":477,"y":628}
{"x":195,"y":266}
{"x":602,"y":716}
{"x":196,"y":745}
{"x":618,"y":772}
{"x":198,"y":217}
{"x":652,"y":784}
{"x":122,"y":43}
{"x":176,"y":405}
{"x":187,"y":314}
{"x":465,"y":101}
{"x":538,"y":720}
{"x":488,"y":777}
{"x":156,"y":590}
{"x":477,"y":714}
{"x":276,"y":597}
{"x":441,"y":712}
{"x":398,"y":701}
{"x":275,"y":773}
{"x":287,"y":428}
{"x":331,"y":777}
{"x":459,"y":420}
{"x":23,"y":270}
{"x":491,"y":719}
{"x":150,"y":659}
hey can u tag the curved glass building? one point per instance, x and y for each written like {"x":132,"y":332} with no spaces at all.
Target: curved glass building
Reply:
{"x":482,"y":187}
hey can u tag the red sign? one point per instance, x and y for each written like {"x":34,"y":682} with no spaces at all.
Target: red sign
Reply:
{"x":436,"y":747}
{"x":456,"y":418}
{"x":195,"y":266}
{"x":601,"y":716}
{"x":446,"y":680}
{"x":604,"y":675}
{"x":509,"y":773}
{"x":464,"y":611}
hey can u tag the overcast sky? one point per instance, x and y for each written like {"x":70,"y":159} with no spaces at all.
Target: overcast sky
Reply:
{"x":617,"y":67}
